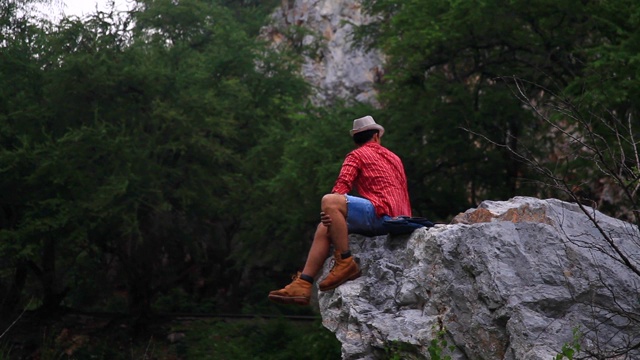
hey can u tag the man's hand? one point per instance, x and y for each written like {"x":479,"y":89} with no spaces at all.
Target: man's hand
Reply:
{"x":325,"y":219}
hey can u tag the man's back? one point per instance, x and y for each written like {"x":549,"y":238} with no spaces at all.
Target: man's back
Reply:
{"x":378,"y":175}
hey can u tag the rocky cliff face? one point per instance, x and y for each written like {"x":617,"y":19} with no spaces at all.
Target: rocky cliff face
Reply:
{"x":510,"y":280}
{"x":336,"y":69}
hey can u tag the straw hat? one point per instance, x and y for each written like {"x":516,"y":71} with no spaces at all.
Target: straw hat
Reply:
{"x":364,"y":124}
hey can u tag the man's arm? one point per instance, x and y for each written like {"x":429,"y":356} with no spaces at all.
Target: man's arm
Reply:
{"x":347,"y":176}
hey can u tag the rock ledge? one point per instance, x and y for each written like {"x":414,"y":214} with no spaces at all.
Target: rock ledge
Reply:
{"x":509,"y":280}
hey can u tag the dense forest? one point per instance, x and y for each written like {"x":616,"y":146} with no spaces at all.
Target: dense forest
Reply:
{"x":168,"y":159}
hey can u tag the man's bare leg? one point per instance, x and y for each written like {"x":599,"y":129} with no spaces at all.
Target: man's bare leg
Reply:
{"x":318,"y":252}
{"x":299,"y":291}
{"x":335,"y":231}
{"x":344,"y":267}
{"x":335,"y":206}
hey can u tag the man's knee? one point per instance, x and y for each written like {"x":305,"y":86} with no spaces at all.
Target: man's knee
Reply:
{"x":334,"y":202}
{"x":321,"y":230}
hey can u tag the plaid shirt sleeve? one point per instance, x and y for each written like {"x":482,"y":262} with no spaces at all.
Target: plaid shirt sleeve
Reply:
{"x":348,"y":174}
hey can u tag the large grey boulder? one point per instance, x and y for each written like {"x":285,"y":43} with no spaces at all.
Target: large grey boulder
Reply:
{"x":517,"y":279}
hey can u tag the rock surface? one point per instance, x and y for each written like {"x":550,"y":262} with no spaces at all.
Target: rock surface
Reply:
{"x":509,"y":280}
{"x":336,"y":69}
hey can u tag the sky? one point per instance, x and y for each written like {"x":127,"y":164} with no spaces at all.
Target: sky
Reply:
{"x":81,"y":7}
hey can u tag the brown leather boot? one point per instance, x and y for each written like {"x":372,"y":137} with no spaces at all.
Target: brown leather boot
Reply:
{"x":343,"y":270}
{"x":298,"y":292}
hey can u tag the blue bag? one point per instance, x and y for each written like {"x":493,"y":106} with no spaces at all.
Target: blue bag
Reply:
{"x":405,"y":224}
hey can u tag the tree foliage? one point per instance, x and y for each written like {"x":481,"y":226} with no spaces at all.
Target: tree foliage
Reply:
{"x":168,"y":153}
{"x":449,"y":77}
{"x":123,"y":138}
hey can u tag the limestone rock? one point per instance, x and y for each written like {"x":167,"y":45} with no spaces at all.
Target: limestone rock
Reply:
{"x":336,"y":70}
{"x":509,"y":280}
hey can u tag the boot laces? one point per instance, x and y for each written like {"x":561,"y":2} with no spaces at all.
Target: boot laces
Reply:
{"x":334,"y":265}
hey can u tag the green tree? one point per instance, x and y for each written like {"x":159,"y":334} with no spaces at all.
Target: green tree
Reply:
{"x":121,"y":165}
{"x":19,"y":77}
{"x":448,"y":79}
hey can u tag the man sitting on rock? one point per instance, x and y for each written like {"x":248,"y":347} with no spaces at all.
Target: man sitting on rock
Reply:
{"x":379,"y":177}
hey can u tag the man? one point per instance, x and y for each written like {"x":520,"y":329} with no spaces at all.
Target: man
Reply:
{"x":379,"y":177}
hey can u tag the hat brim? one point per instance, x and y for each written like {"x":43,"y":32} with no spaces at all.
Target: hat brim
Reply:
{"x":368,"y":127}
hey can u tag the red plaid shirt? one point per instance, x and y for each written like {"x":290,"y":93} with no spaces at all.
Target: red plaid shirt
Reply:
{"x":378,"y":175}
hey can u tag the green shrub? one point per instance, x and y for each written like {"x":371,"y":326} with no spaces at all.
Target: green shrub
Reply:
{"x":572,"y":348}
{"x":259,"y":339}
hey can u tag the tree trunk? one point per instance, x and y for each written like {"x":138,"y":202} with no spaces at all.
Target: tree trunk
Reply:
{"x":12,"y":297}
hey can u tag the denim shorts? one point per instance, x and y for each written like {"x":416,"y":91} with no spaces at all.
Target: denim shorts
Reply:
{"x":362,"y":218}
